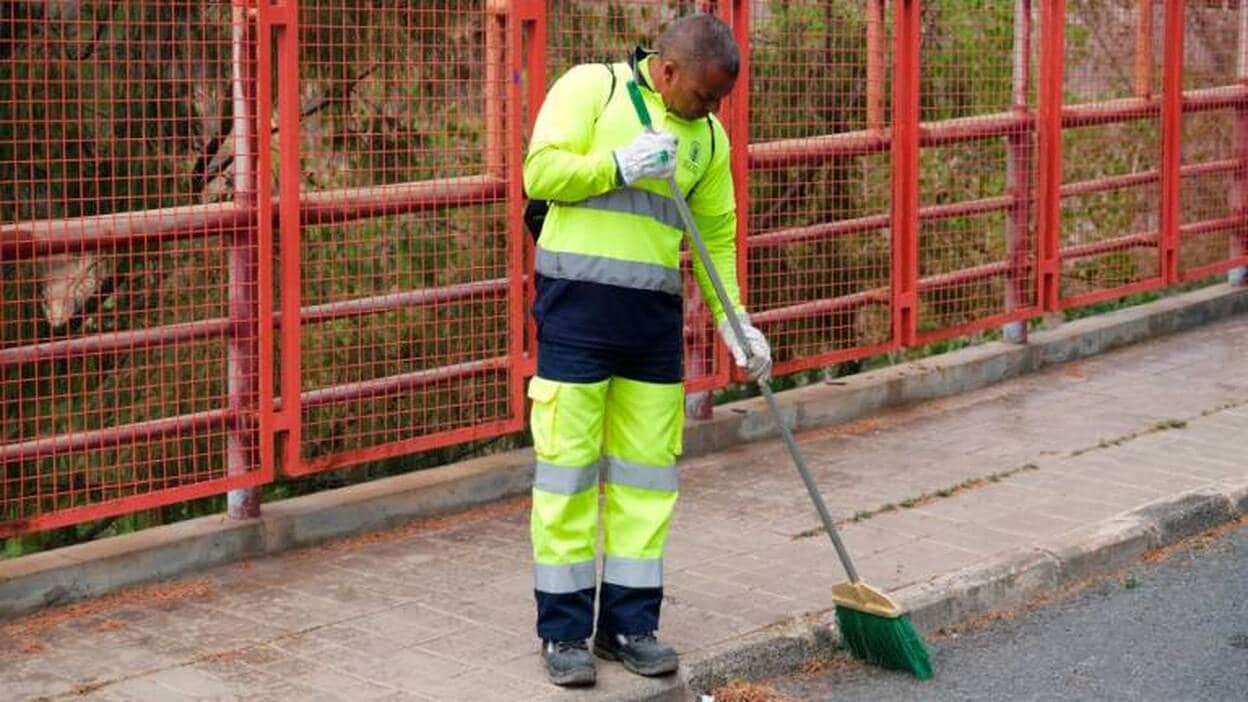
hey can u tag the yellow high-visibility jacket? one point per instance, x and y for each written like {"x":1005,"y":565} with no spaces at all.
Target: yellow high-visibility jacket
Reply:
{"x":608,"y":258}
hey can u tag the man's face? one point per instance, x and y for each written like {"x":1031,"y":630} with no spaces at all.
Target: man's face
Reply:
{"x":694,"y":91}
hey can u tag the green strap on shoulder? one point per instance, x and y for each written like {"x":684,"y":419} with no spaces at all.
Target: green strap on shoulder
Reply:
{"x":639,"y":105}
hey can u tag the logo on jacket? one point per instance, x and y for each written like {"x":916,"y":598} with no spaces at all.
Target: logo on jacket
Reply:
{"x":690,"y":162}
{"x":695,"y":151}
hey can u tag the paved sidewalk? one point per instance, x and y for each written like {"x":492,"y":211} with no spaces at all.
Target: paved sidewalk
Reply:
{"x":442,"y":609}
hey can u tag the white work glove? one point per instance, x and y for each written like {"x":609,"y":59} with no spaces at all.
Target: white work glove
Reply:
{"x":758,"y":365}
{"x":651,"y":155}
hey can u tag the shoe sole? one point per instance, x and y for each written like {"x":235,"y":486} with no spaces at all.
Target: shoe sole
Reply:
{"x":663,"y":667}
{"x":576,"y":678}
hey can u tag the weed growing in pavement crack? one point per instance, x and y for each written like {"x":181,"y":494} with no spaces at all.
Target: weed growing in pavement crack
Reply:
{"x":1222,"y":408}
{"x":1169,"y":424}
{"x":1163,"y":425}
{"x":911,"y":502}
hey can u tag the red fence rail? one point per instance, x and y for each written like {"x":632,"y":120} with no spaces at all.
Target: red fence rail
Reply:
{"x":238,"y":232}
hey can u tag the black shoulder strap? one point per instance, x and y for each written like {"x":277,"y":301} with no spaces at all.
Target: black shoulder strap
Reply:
{"x":710,"y":127}
{"x":535,"y":210}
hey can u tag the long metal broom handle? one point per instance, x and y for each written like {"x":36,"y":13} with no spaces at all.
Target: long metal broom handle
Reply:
{"x":695,"y":236}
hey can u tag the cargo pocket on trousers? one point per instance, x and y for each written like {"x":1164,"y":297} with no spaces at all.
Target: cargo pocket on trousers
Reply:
{"x":544,"y":394}
{"x":677,"y":440}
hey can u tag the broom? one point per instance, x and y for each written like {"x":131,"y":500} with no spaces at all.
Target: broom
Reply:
{"x":873,"y":627}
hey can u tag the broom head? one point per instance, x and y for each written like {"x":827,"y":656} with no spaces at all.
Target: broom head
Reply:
{"x":875,"y":630}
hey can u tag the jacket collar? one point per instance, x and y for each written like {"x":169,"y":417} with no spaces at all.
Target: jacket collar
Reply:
{"x":641,"y":73}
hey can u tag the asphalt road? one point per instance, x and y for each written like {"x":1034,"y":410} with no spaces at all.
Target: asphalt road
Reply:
{"x":1176,"y":629}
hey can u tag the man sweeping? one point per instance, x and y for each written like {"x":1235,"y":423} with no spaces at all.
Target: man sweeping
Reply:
{"x":608,"y":388}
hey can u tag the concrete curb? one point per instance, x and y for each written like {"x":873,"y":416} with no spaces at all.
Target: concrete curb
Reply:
{"x":952,"y":599}
{"x":89,"y":570}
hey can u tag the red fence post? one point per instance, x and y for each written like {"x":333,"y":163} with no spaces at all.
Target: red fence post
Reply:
{"x":536,"y":17}
{"x":739,"y":128}
{"x":1019,"y":160}
{"x":242,"y":382}
{"x":875,"y":65}
{"x":1144,"y":49}
{"x":515,"y":25}
{"x":1239,"y":191}
{"x":1049,"y":145}
{"x":701,"y":404}
{"x":289,"y":418}
{"x":905,"y":177}
{"x":735,"y":115}
{"x":1171,"y":140}
{"x":496,"y":86}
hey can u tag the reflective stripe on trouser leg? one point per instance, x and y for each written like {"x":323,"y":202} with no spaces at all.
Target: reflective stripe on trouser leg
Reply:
{"x":643,"y":439}
{"x":566,"y":421}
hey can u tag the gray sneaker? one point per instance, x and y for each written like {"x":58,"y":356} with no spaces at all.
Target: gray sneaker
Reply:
{"x":568,"y":663}
{"x":643,"y":654}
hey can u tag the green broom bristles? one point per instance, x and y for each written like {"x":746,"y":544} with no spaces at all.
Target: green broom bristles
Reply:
{"x":890,"y":642}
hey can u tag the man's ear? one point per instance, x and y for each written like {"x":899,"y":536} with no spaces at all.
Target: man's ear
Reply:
{"x":668,"y":69}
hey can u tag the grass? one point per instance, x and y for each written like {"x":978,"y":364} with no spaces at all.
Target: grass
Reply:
{"x":1159,"y":426}
{"x":925,"y":498}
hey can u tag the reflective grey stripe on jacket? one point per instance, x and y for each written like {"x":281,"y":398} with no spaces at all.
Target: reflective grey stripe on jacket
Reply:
{"x":608,"y":271}
{"x":635,"y":201}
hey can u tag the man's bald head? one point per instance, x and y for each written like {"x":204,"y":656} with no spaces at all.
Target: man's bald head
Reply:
{"x":696,"y":66}
{"x":701,"y":40}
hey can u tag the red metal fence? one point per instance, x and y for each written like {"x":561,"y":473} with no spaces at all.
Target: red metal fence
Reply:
{"x":238,"y":235}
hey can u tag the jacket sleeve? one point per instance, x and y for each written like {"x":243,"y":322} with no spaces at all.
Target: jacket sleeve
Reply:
{"x":559,"y":165}
{"x":714,"y":208}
